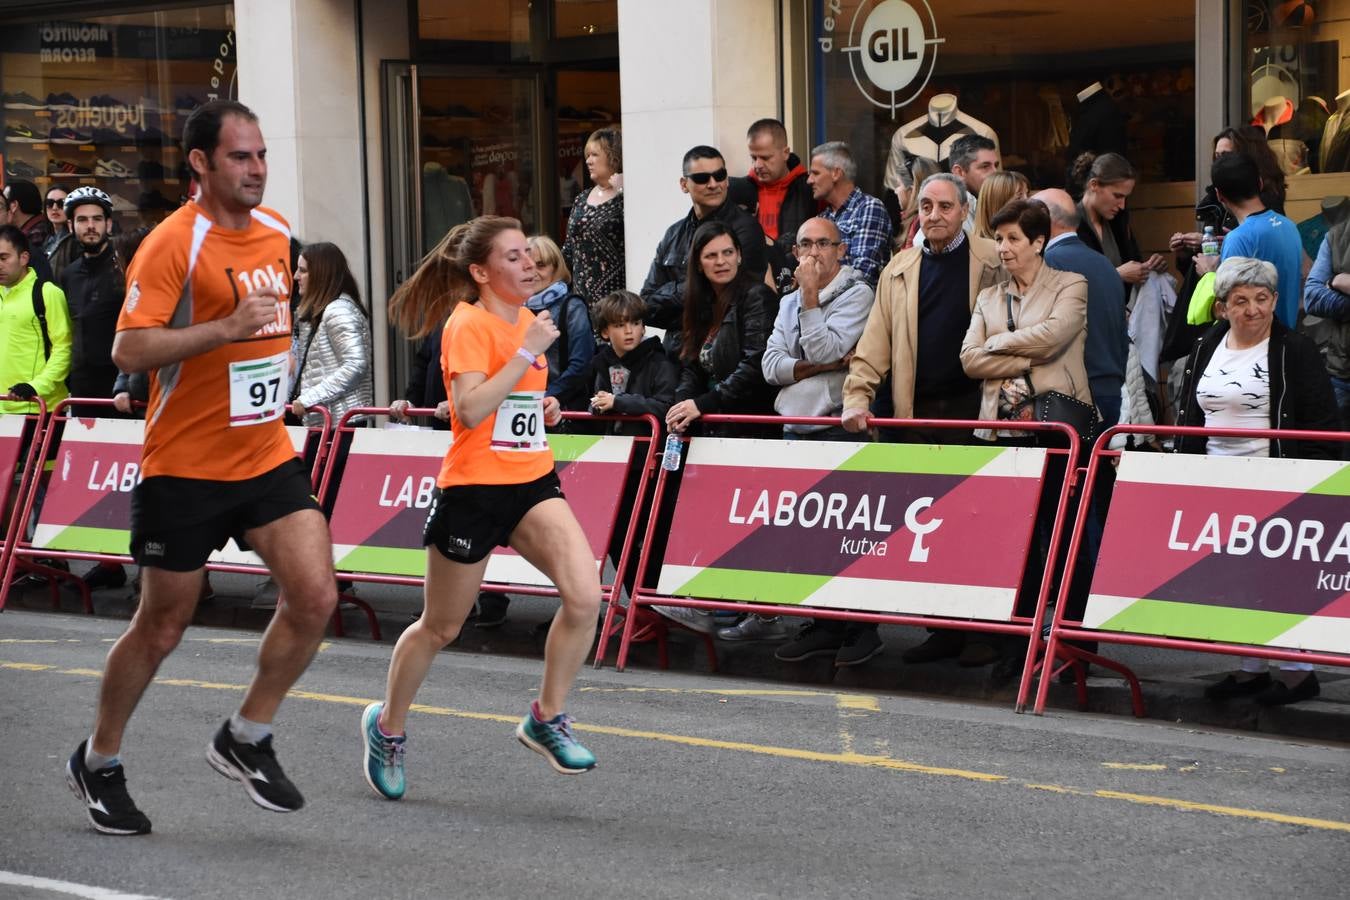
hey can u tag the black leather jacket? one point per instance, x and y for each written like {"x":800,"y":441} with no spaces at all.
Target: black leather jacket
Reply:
{"x":734,"y":381}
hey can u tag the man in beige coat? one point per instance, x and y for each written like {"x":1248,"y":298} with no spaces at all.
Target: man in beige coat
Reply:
{"x":914,"y":334}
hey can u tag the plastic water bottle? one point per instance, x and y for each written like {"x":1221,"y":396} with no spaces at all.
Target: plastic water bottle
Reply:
{"x":1209,"y":244}
{"x":670,"y":460}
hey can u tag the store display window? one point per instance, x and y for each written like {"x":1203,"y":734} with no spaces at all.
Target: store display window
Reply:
{"x":101,"y":100}
{"x":1044,"y":79}
{"x":1296,"y":82}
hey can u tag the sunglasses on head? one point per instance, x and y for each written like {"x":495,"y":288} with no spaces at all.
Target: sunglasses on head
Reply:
{"x":705,"y":177}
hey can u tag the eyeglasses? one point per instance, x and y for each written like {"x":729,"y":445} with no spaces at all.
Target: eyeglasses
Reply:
{"x":705,"y":177}
{"x":822,"y":244}
{"x":55,"y":204}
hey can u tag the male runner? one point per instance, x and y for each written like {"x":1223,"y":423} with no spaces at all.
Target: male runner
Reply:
{"x":207,"y":314}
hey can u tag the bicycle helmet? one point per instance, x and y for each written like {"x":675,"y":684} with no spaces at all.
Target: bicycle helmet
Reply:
{"x":88,"y":194}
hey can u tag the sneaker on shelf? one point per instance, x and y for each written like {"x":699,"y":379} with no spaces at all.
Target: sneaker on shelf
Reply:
{"x":62,"y":101}
{"x":383,"y":756}
{"x":68,"y":136}
{"x":22,"y":100}
{"x":105,"y":100}
{"x":105,"y":576}
{"x":861,"y":643}
{"x":121,"y":204}
{"x":755,"y":628}
{"x":254,"y":766}
{"x":19,"y":133}
{"x":65,"y":168}
{"x":553,"y":740}
{"x":694,"y":619}
{"x":104,"y":795}
{"x":812,"y":640}
{"x":20,"y":169}
{"x":112,"y":168}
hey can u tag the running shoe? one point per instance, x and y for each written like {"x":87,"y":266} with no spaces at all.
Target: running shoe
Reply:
{"x":68,"y":136}
{"x":22,"y":100}
{"x":254,"y":766}
{"x":59,"y":167}
{"x":383,"y":756}
{"x":112,"y":168}
{"x":104,"y":795}
{"x":122,"y":204}
{"x":105,"y":100}
{"x":19,"y":169}
{"x":62,"y":101}
{"x":553,"y":740}
{"x":17,"y":132}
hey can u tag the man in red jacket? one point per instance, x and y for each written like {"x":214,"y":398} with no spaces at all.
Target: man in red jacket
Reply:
{"x":783,"y":198}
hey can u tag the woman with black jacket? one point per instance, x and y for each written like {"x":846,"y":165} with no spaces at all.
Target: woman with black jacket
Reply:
{"x":728,"y":316}
{"x":1250,"y":371}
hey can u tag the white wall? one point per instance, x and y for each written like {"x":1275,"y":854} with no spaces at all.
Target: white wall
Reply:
{"x":690,"y":72}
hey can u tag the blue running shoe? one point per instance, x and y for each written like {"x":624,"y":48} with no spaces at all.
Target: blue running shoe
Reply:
{"x":384,"y":756}
{"x":553,"y":740}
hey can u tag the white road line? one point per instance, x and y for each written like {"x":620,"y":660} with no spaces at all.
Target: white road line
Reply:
{"x":89,"y":892}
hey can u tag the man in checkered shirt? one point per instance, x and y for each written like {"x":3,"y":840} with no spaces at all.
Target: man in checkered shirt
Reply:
{"x":862,"y":220}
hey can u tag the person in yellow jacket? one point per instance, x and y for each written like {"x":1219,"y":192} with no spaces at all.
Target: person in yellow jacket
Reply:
{"x":34,"y":360}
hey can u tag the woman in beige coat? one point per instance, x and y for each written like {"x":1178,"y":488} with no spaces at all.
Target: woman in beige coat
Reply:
{"x":1027,"y":332}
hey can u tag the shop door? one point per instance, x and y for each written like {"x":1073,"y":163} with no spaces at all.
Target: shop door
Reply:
{"x":460,"y":143}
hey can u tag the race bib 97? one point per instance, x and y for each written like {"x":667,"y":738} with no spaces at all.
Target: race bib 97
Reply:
{"x":258,"y":390}
{"x":519,"y":426}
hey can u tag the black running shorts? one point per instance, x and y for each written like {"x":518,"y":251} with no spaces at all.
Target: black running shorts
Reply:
{"x":177,"y":522}
{"x":468,"y":521}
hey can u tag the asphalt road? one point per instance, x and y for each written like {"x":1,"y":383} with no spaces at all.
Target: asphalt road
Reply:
{"x":705,"y":788}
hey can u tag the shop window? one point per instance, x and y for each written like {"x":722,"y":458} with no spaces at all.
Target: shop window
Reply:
{"x":587,"y":100}
{"x":101,"y":100}
{"x":1295,"y":82}
{"x":494,"y":31}
{"x":911,"y":75}
{"x":584,"y":18}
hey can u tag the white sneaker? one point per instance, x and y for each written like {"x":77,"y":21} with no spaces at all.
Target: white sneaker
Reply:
{"x":755,"y":628}
{"x":112,"y":168}
{"x":693,"y":619}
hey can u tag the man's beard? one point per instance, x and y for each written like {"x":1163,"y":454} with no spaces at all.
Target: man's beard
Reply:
{"x":96,"y":248}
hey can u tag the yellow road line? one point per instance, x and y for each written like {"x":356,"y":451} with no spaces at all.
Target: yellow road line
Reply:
{"x":1136,"y":767}
{"x":847,"y":758}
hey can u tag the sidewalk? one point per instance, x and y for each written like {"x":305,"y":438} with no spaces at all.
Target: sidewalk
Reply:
{"x":1173,"y":682}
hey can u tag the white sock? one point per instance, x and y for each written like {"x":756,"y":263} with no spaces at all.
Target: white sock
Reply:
{"x":246,"y":732}
{"x":95,"y":761}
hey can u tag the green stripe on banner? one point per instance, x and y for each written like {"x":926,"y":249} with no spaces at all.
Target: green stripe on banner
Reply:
{"x":1337,"y":485}
{"x":920,"y":459}
{"x":749,"y":585}
{"x":384,"y":561}
{"x":571,"y":447}
{"x":1195,"y":620}
{"x":91,"y":540}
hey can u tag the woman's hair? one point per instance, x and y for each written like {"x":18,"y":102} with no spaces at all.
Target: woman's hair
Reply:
{"x":126,"y":244}
{"x":920,"y":170}
{"x":703,"y":306}
{"x":442,"y":279}
{"x":546,"y":253}
{"x":329,"y":278}
{"x":1109,"y":168}
{"x":998,"y":189}
{"x":610,"y":142}
{"x":619,"y":307}
{"x":1029,"y":215}
{"x":1251,"y":140}
{"x":1243,"y":271}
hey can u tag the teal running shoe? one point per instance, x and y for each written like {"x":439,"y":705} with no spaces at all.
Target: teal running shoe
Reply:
{"x":383,"y":756}
{"x":553,"y":740}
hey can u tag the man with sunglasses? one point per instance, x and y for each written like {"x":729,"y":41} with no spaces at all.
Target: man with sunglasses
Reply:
{"x":705,"y":181}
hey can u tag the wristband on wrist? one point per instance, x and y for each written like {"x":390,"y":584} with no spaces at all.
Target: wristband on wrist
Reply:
{"x":530,"y":358}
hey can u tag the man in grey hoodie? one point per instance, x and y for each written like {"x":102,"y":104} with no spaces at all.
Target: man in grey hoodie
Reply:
{"x":817,"y":327}
{"x":807,"y":357}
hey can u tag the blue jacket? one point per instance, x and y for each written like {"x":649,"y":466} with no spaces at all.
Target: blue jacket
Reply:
{"x":1108,"y":342}
{"x":1319,"y":297}
{"x":571,"y":353}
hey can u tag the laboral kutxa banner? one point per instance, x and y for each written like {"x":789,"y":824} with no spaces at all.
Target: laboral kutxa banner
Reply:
{"x":899,"y":528}
{"x":1234,"y":549}
{"x":387,"y":486}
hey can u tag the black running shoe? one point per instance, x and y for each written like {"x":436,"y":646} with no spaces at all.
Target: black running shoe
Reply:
{"x":105,"y":798}
{"x":254,"y":766}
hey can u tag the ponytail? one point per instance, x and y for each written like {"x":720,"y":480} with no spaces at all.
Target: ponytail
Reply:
{"x":442,"y":280}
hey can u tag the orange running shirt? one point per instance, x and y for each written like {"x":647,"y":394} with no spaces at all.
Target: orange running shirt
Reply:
{"x":475,"y":340}
{"x":216,"y":416}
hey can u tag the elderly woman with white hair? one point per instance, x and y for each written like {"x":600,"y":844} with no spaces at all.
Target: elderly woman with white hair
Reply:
{"x":1250,"y":371}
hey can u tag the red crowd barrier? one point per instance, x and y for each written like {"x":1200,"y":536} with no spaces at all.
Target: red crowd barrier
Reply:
{"x":786,"y":566}
{"x":380,"y":501}
{"x":1163,"y":581}
{"x":18,"y":460}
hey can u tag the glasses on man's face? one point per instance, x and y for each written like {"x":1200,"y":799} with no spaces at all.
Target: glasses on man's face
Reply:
{"x":805,"y":246}
{"x":705,"y":177}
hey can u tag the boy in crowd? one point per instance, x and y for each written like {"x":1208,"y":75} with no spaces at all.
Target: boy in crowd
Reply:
{"x":630,"y":374}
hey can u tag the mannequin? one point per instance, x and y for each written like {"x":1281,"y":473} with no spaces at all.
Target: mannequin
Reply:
{"x":1275,"y":110}
{"x":1088,"y":91}
{"x":1098,"y":124}
{"x":932,"y":135}
{"x":1334,"y":155}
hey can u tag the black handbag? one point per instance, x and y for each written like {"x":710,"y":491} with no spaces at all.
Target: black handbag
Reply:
{"x":1054,"y":406}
